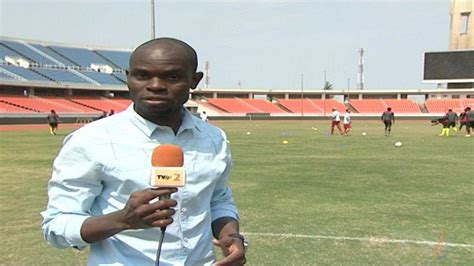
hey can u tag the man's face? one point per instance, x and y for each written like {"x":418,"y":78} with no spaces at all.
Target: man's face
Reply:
{"x":159,"y":80}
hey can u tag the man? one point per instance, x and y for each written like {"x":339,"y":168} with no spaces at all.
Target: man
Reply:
{"x":204,"y":116}
{"x":53,"y":121}
{"x":103,"y":115}
{"x":99,"y":193}
{"x":388,"y":118}
{"x":347,"y":122}
{"x":470,"y":121}
{"x":336,"y":121}
{"x":452,"y":117}
{"x":462,"y":119}
{"x":444,"y":122}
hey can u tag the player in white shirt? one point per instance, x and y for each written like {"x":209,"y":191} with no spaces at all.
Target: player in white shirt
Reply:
{"x":347,"y":122}
{"x":336,"y":121}
{"x":204,"y":116}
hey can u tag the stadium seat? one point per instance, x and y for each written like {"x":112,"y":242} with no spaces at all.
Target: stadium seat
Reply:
{"x":45,"y":104}
{"x":102,"y":104}
{"x":441,"y":106}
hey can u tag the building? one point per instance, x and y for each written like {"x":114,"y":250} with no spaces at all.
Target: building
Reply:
{"x":462,"y":25}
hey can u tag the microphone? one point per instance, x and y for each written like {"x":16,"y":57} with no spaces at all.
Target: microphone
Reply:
{"x":166,"y":171}
{"x":167,"y":167}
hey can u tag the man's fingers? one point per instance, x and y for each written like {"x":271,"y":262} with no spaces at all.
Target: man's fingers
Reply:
{"x":234,"y":258}
{"x":146,"y":195}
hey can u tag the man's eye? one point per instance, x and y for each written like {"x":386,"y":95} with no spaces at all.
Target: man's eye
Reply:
{"x":141,"y":75}
{"x":174,"y":77}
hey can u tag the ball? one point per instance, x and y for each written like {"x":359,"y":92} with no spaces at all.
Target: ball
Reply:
{"x":398,"y":144}
{"x":249,"y":133}
{"x":285,"y":142}
{"x":363,"y":133}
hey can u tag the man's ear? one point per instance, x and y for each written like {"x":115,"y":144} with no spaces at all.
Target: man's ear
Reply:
{"x":196,"y":79}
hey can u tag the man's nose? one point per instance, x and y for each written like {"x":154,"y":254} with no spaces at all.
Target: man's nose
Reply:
{"x":156,"y":84}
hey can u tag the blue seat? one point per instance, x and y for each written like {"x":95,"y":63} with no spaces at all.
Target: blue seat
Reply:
{"x":119,"y":58}
{"x":25,"y":73}
{"x":27,"y":52}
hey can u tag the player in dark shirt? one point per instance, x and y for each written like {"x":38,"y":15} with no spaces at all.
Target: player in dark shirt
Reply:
{"x":470,"y":121}
{"x":443,"y":121}
{"x":452,"y":118}
{"x":53,"y":121}
{"x":388,"y":118}
{"x":462,"y":120}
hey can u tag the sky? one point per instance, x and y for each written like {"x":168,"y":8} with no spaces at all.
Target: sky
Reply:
{"x":257,"y":44}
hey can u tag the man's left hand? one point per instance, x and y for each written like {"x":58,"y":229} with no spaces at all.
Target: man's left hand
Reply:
{"x":233,"y":250}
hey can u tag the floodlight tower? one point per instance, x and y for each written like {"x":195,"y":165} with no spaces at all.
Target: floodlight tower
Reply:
{"x":207,"y":80}
{"x":152,"y":19}
{"x":360,"y":73}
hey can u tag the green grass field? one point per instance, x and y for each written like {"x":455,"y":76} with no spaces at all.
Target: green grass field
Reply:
{"x":316,"y":200}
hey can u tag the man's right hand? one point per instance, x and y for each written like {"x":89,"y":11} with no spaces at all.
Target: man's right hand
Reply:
{"x":138,"y":213}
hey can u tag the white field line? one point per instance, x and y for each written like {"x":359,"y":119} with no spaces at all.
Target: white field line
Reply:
{"x":364,"y":239}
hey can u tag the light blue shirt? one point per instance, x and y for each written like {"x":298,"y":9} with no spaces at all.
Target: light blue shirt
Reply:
{"x":102,"y":163}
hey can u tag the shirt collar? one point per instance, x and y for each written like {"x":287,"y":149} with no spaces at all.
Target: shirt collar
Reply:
{"x":149,"y":127}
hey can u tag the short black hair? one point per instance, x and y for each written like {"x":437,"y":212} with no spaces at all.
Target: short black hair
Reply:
{"x":191,"y":53}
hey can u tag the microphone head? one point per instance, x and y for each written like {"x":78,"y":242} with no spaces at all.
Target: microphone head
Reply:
{"x":167,"y":155}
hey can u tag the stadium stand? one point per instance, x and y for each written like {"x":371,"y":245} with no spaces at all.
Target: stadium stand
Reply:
{"x":101,"y":104}
{"x":4,"y":52}
{"x":368,"y":106}
{"x":327,"y":105}
{"x":27,"y":52}
{"x":467,"y":102}
{"x":120,"y":76}
{"x":403,"y":106}
{"x":118,"y":58}
{"x":264,"y":106}
{"x":6,"y":107}
{"x":80,"y":56}
{"x":44,"y":105}
{"x":60,"y":60}
{"x":5,"y":76}
{"x":61,"y":75}
{"x":85,"y":74}
{"x":234,"y":106}
{"x":103,"y":78}
{"x":442,"y":106}
{"x":298,"y":106}
{"x":371,"y":106}
{"x":25,"y":73}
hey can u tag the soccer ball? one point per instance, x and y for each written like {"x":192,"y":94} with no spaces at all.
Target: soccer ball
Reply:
{"x":398,"y":144}
{"x":249,"y":133}
{"x":363,"y":133}
{"x":285,"y":142}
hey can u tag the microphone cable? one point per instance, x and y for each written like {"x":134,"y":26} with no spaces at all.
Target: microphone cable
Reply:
{"x":160,"y":243}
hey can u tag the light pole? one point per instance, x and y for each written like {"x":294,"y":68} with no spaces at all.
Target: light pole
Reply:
{"x":152,"y":19}
{"x":348,"y":88}
{"x":324,"y":93}
{"x":302,"y":112}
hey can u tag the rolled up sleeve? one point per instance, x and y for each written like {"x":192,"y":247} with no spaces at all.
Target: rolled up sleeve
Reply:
{"x":222,"y":203}
{"x":72,"y":190}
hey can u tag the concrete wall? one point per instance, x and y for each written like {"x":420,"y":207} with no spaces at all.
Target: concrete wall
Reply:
{"x":460,"y":40}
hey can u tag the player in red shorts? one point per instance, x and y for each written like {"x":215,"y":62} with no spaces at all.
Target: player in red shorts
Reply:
{"x":336,"y":121}
{"x":347,"y":122}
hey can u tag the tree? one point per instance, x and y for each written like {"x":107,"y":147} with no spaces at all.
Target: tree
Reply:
{"x":328,"y":86}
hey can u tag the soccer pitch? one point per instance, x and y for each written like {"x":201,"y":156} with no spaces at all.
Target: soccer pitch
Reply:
{"x":318,"y":199}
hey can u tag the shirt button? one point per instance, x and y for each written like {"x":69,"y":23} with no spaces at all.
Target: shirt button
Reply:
{"x":184,"y":210}
{"x":185,"y":239}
